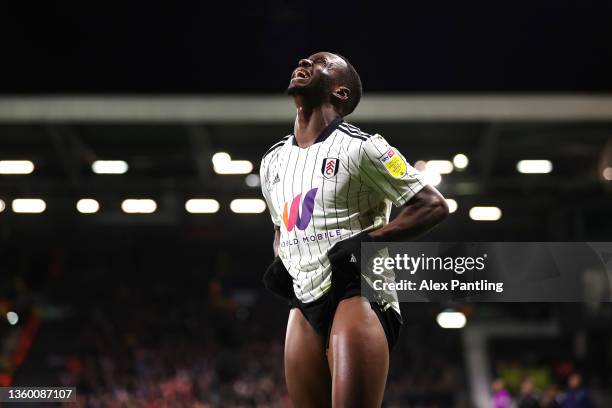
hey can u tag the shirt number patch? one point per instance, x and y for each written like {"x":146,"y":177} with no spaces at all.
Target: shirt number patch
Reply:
{"x":394,"y":163}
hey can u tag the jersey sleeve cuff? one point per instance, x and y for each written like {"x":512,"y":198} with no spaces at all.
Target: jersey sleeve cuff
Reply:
{"x":414,"y":189}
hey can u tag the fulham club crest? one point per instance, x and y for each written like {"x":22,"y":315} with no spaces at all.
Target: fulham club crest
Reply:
{"x":330,"y":167}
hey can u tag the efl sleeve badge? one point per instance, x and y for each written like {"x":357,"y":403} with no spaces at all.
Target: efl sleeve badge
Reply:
{"x":394,"y":163}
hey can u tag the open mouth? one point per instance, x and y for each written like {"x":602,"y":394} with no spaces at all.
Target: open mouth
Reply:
{"x":301,"y":73}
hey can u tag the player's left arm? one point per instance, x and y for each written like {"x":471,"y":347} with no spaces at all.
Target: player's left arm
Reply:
{"x":425,"y":210}
{"x":387,"y":174}
{"x":385,"y":170}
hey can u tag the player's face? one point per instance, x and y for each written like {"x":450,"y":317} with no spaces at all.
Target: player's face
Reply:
{"x":316,"y":74}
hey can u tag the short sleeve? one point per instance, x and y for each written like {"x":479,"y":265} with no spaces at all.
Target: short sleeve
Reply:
{"x":265,"y":190}
{"x":384,"y":169}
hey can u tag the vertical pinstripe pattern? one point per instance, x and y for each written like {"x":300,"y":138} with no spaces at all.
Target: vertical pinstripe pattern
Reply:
{"x":295,"y":230}
{"x":287,"y":251}
{"x":302,"y":189}
{"x":352,"y":201}
{"x":347,"y":201}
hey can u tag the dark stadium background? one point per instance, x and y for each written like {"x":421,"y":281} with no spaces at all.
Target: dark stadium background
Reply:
{"x":169,"y":306}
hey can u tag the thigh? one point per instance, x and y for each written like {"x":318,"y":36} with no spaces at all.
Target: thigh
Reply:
{"x":306,"y":370}
{"x":358,"y":355}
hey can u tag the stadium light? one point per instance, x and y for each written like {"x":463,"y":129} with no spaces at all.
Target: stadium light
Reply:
{"x":28,"y":205}
{"x":87,"y":206}
{"x":223,"y":164}
{"x":419,"y":165}
{"x":16,"y":167}
{"x":485,"y":213}
{"x":450,"y":319}
{"x":429,"y":170}
{"x":202,"y":206}
{"x":460,"y":161}
{"x":439,"y":166}
{"x":12,"y":318}
{"x":138,"y":206}
{"x":452,"y":205}
{"x":2,"y":206}
{"x":607,"y":173}
{"x":248,"y":206}
{"x":252,"y":180}
{"x":534,"y":166}
{"x":221,"y":158}
{"x":109,"y":167}
{"x":432,"y":178}
{"x":235,"y":167}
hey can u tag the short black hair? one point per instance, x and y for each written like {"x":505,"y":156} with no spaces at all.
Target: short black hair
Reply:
{"x":353,"y":83}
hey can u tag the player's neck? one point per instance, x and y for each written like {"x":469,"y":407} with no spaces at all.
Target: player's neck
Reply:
{"x":311,"y":121}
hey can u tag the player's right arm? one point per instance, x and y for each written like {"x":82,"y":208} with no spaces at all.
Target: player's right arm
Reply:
{"x":276,"y":240}
{"x":265,"y":190}
{"x":276,"y":278}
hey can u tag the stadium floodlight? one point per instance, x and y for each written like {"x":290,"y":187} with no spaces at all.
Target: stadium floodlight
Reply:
{"x":12,"y":318}
{"x":248,"y":206}
{"x":2,"y":205}
{"x":485,"y":213}
{"x":16,"y":167}
{"x":235,"y":167}
{"x":432,"y":178}
{"x":28,"y":205}
{"x":87,"y":206}
{"x":607,"y":173}
{"x":449,"y":319}
{"x":460,"y":161}
{"x":223,"y":164}
{"x":109,"y":167}
{"x":252,"y":180}
{"x":221,"y":158}
{"x":202,"y":206}
{"x":439,"y":166}
{"x":452,"y":205}
{"x":419,"y":165}
{"x":534,"y":166}
{"x":138,"y":206}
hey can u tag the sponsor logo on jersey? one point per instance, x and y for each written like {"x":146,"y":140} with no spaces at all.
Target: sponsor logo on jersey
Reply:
{"x":293,"y":218}
{"x":394,"y":163}
{"x":330,"y":167}
{"x":307,"y":239}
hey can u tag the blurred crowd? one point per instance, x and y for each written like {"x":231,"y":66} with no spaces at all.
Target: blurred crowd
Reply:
{"x":576,"y":395}
{"x":131,"y":339}
{"x":181,"y":375}
{"x":119,"y":365}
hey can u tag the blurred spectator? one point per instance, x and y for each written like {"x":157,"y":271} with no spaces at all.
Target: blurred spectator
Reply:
{"x":501,"y":396}
{"x":577,"y":395}
{"x":527,"y":397}
{"x":550,"y":397}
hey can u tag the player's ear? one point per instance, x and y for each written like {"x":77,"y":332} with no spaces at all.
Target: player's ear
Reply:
{"x":342,"y":93}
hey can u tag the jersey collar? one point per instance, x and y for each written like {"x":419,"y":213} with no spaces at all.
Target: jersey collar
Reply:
{"x":326,"y":132}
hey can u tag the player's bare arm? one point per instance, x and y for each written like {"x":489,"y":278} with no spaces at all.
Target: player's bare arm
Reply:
{"x":276,"y":241}
{"x":423,"y":212}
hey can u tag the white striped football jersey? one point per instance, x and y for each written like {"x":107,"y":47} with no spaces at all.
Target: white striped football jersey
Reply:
{"x":341,"y":185}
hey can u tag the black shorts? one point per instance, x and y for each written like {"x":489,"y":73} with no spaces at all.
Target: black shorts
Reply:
{"x":320,"y":313}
